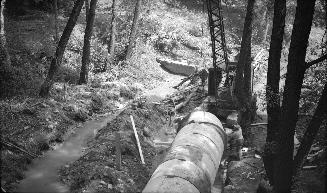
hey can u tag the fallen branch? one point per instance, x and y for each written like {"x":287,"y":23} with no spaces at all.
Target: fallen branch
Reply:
{"x":3,"y":190}
{"x":137,"y":140}
{"x":309,"y":167}
{"x":20,"y":149}
{"x":180,"y":105}
{"x":257,"y":124}
{"x":316,"y":61}
{"x":184,"y":80}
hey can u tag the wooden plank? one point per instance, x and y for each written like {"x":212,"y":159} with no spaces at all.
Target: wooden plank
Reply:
{"x":137,"y":141}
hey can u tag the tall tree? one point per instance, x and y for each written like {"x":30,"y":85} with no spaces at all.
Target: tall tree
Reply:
{"x":112,"y":39}
{"x":56,"y":61}
{"x":55,"y":10}
{"x":132,"y":36}
{"x":283,"y":161}
{"x":243,"y":83}
{"x":272,"y":89}
{"x":4,"y":54}
{"x":310,"y":133}
{"x":265,"y":18}
{"x":87,"y":40}
{"x":87,"y":8}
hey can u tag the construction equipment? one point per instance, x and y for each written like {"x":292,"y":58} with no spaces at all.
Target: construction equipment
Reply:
{"x":218,"y":40}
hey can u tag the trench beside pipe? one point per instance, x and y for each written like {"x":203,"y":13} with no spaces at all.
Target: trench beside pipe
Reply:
{"x":192,"y":162}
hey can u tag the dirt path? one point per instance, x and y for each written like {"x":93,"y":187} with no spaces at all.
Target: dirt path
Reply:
{"x":165,"y":88}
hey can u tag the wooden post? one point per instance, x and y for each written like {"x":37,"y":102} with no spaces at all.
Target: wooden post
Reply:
{"x":137,"y":140}
{"x":118,"y":150}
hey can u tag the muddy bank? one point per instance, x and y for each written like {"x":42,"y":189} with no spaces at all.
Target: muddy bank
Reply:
{"x":96,"y":170}
{"x":42,"y":173}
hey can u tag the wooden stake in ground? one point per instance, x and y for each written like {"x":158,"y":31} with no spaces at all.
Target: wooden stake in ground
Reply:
{"x":118,"y":150}
{"x":137,"y":140}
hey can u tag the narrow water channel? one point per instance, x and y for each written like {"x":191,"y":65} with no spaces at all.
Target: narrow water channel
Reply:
{"x":42,"y":175}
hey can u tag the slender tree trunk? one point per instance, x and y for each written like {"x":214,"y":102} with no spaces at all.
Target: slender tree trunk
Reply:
{"x":4,"y":54}
{"x":87,"y":40}
{"x":112,"y":40}
{"x":265,"y":22}
{"x":283,"y":162}
{"x":132,"y":37}
{"x":55,"y":10}
{"x":264,"y":38}
{"x":87,"y":9}
{"x":56,"y":61}
{"x":272,"y":89}
{"x":310,"y":134}
{"x":242,"y":88}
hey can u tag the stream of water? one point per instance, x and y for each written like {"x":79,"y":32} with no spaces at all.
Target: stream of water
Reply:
{"x":42,"y":175}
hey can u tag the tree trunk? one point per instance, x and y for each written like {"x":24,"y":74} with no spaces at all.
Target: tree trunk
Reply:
{"x":4,"y":54}
{"x":87,"y":40}
{"x":55,"y":10}
{"x":112,"y":40}
{"x":283,"y":162}
{"x":263,"y":24}
{"x":87,"y":9}
{"x":242,"y":88}
{"x":310,"y":133}
{"x":56,"y":61}
{"x":266,"y":21}
{"x":272,"y":89}
{"x":134,"y":29}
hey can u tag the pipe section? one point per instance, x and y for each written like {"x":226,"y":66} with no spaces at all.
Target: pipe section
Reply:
{"x":193,"y":160}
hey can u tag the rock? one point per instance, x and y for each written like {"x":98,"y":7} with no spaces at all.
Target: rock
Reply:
{"x":232,"y":119}
{"x":51,"y":126}
{"x":127,"y":92}
{"x":146,"y":132}
{"x":110,"y":186}
{"x":29,"y":111}
{"x":177,"y":67}
{"x":70,"y":108}
{"x":97,"y":103}
{"x":81,"y":115}
{"x":113,"y":94}
{"x":86,"y":95}
{"x":103,"y":182}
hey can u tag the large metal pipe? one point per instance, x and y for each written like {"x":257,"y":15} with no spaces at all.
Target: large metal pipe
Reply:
{"x":192,"y":162}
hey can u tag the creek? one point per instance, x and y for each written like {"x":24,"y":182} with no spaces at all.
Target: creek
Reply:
{"x":42,"y":174}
